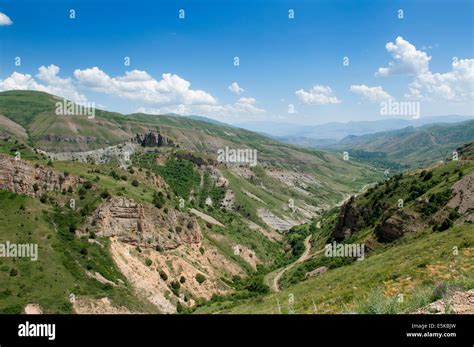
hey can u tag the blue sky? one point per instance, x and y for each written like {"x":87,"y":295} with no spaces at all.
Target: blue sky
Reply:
{"x":283,"y":61}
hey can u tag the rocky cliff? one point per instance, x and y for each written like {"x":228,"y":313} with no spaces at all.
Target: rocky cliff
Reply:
{"x":143,"y":225}
{"x":351,"y":219}
{"x":152,"y":139}
{"x":22,"y":177}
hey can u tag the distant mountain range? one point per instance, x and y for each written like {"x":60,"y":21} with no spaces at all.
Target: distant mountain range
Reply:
{"x":330,"y":133}
{"x":409,"y":146}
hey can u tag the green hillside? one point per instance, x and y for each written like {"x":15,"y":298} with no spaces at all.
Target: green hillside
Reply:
{"x":432,"y":255}
{"x":175,"y":230}
{"x":410,"y":146}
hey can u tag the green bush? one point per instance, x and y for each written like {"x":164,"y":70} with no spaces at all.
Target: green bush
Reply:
{"x":200,"y":278}
{"x":163,"y":275}
{"x":158,"y":199}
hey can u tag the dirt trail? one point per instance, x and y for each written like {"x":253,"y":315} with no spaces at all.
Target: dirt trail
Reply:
{"x":273,"y":278}
{"x":206,"y":217}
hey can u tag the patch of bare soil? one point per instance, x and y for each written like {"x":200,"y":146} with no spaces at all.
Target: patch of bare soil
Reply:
{"x":9,"y":127}
{"x":294,"y":179}
{"x":83,"y":305}
{"x":144,"y":270}
{"x":33,"y":309}
{"x":247,"y":255}
{"x":243,"y":171}
{"x":253,"y":196}
{"x":144,"y":279}
{"x":270,"y":234}
{"x":274,"y":221}
{"x":206,"y":217}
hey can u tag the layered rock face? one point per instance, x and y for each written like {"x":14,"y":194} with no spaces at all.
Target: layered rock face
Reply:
{"x":21,"y":177}
{"x":350,"y":220}
{"x":143,"y":225}
{"x":153,"y":139}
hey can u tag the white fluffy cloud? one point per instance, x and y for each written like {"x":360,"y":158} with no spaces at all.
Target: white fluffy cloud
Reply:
{"x":374,"y":94}
{"x":171,"y":94}
{"x":456,"y":85}
{"x":235,"y":88}
{"x":247,"y":106}
{"x":140,"y":86}
{"x":56,"y":85}
{"x":5,"y":20}
{"x":318,"y":95}
{"x":406,"y":59}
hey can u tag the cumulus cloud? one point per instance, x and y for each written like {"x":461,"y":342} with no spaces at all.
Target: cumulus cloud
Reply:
{"x":56,"y":85}
{"x":4,"y":19}
{"x":247,"y":106}
{"x":374,"y":94}
{"x":170,"y":94}
{"x":406,"y":59}
{"x":456,"y":85}
{"x":235,"y":88}
{"x":140,"y":86}
{"x":318,"y":95}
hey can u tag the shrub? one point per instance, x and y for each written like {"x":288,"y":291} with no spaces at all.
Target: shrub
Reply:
{"x":200,"y":278}
{"x":175,"y":287}
{"x":114,"y":175}
{"x":158,"y":200}
{"x":135,"y":183}
{"x":428,"y":176}
{"x":105,"y":194}
{"x":182,"y":279}
{"x":44,"y":198}
{"x":163,"y":275}
{"x":148,"y":262}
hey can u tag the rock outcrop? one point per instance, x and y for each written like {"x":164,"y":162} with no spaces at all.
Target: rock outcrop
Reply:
{"x":143,"y":225}
{"x":21,"y":177}
{"x":153,"y":139}
{"x":316,"y":272}
{"x":350,"y":220}
{"x":463,"y":194}
{"x":197,"y":160}
{"x":397,"y":225}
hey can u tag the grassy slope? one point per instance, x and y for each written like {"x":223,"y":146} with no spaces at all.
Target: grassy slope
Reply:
{"x":413,"y":266}
{"x":35,"y":112}
{"x":62,"y":261}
